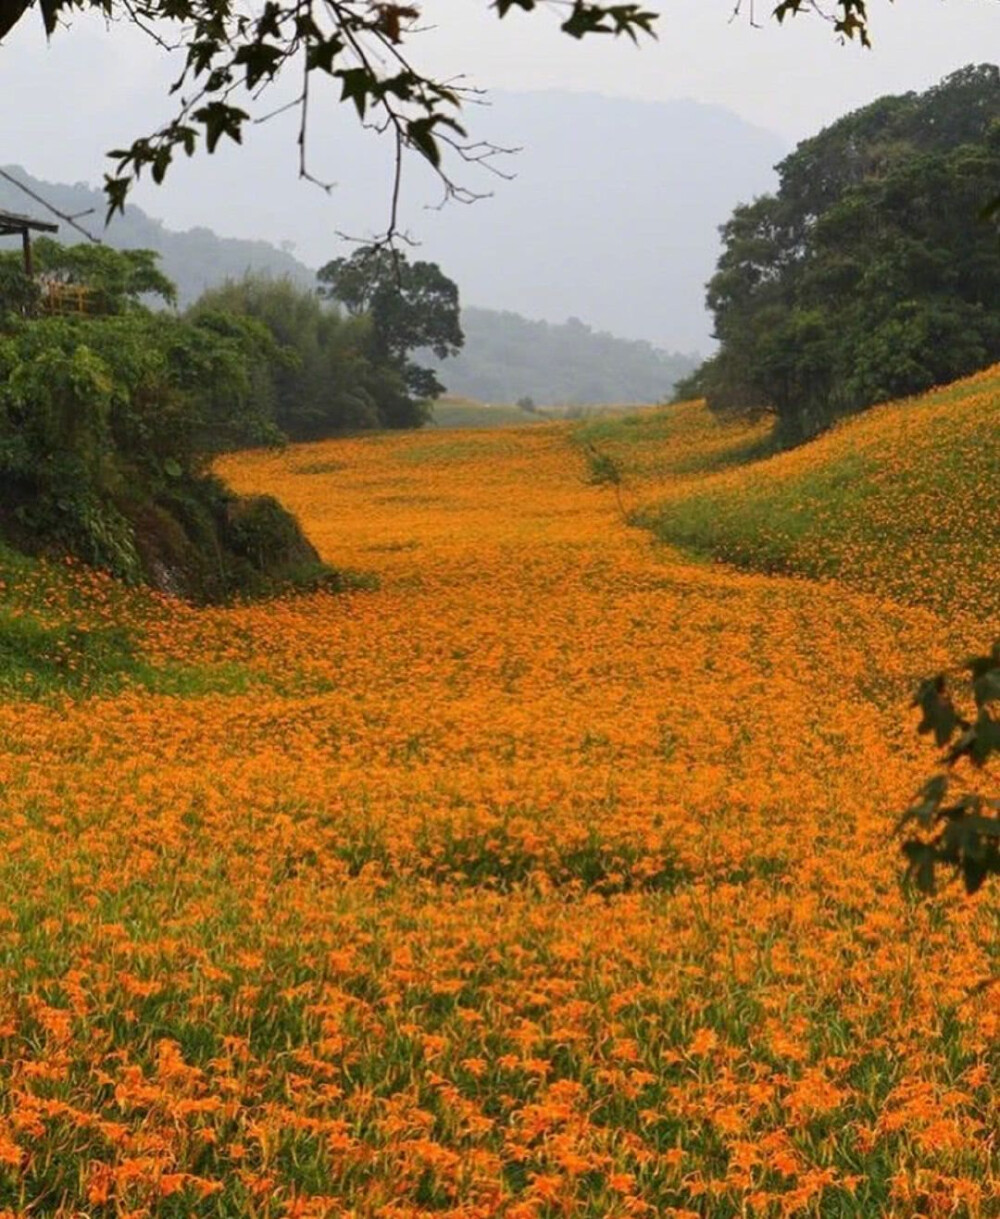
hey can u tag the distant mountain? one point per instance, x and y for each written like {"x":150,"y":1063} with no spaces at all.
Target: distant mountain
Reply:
{"x":195,"y":260}
{"x":612,"y":215}
{"x":506,"y":357}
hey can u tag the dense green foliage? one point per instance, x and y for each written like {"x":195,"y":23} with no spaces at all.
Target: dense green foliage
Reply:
{"x":111,"y":414}
{"x":108,"y":423}
{"x":409,"y":306}
{"x":116,"y":281}
{"x":326,"y":379}
{"x":872,"y":273}
{"x":507,"y":357}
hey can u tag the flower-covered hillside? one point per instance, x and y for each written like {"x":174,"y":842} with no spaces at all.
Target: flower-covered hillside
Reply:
{"x":550,"y":877}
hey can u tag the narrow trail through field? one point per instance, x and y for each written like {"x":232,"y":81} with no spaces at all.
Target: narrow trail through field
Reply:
{"x":552,"y":876}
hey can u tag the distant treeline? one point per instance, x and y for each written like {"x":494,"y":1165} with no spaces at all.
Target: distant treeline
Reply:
{"x":507,"y":358}
{"x":874,"y":272}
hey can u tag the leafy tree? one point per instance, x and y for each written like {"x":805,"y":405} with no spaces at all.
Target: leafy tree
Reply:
{"x":869,"y":274}
{"x":190,"y":259}
{"x":117,"y":280}
{"x":334,"y":373}
{"x":108,"y":425}
{"x":19,"y":293}
{"x":324,"y":381}
{"x":410,"y":306}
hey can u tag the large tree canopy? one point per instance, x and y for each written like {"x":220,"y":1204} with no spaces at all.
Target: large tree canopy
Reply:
{"x":232,"y":52}
{"x":870,"y":274}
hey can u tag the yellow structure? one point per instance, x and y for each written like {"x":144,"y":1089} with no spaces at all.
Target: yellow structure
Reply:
{"x":63,"y":299}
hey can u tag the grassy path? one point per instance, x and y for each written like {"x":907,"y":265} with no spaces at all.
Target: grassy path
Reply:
{"x":551,"y":878}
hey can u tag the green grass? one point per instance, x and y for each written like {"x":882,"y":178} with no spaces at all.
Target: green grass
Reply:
{"x":39,"y":661}
{"x":770,"y":526}
{"x":901,"y":501}
{"x":453,"y":412}
{"x":671,"y":441}
{"x":66,"y":631}
{"x":442,"y":450}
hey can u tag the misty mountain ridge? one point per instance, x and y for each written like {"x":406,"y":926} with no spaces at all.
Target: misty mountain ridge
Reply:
{"x":612,"y":215}
{"x":507,"y":357}
{"x":194,"y":259}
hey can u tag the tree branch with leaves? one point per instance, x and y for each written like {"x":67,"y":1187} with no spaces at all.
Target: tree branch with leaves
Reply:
{"x":233,"y":54}
{"x":959,"y":824}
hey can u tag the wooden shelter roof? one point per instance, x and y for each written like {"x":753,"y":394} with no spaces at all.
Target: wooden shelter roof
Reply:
{"x":12,"y":222}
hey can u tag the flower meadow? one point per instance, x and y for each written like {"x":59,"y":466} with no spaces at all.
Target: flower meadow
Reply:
{"x":902,"y":500}
{"x":551,"y":876}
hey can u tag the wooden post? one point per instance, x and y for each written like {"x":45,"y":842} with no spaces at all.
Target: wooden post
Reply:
{"x":26,"y":245}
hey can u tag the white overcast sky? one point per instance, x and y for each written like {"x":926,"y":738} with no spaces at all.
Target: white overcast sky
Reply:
{"x":93,"y":88}
{"x":792,"y":78}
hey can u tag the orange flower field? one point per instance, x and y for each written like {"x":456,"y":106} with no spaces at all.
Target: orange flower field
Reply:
{"x":553,"y":876}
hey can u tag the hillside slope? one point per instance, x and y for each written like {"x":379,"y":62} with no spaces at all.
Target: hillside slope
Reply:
{"x":901,"y":501}
{"x":554,"y":875}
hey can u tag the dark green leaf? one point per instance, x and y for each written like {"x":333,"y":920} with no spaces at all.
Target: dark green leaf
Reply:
{"x":356,"y":85}
{"x":986,"y":687}
{"x":925,"y":808}
{"x":322,"y":54}
{"x":420,"y":133}
{"x":939,"y":715}
{"x":116,"y":191}
{"x":219,"y":120}
{"x":260,"y":59}
{"x":974,"y":872}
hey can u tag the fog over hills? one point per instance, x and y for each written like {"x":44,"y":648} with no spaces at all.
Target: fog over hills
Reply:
{"x":195,"y":259}
{"x":507,"y":357}
{"x":612,"y":216}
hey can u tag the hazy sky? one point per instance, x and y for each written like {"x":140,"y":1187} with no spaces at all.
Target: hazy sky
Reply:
{"x":791,"y":78}
{"x":94,"y":87}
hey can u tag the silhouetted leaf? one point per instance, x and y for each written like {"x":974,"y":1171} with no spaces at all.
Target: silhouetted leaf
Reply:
{"x":974,"y":872}
{"x":356,"y":85}
{"x":939,"y":715}
{"x":921,"y":869}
